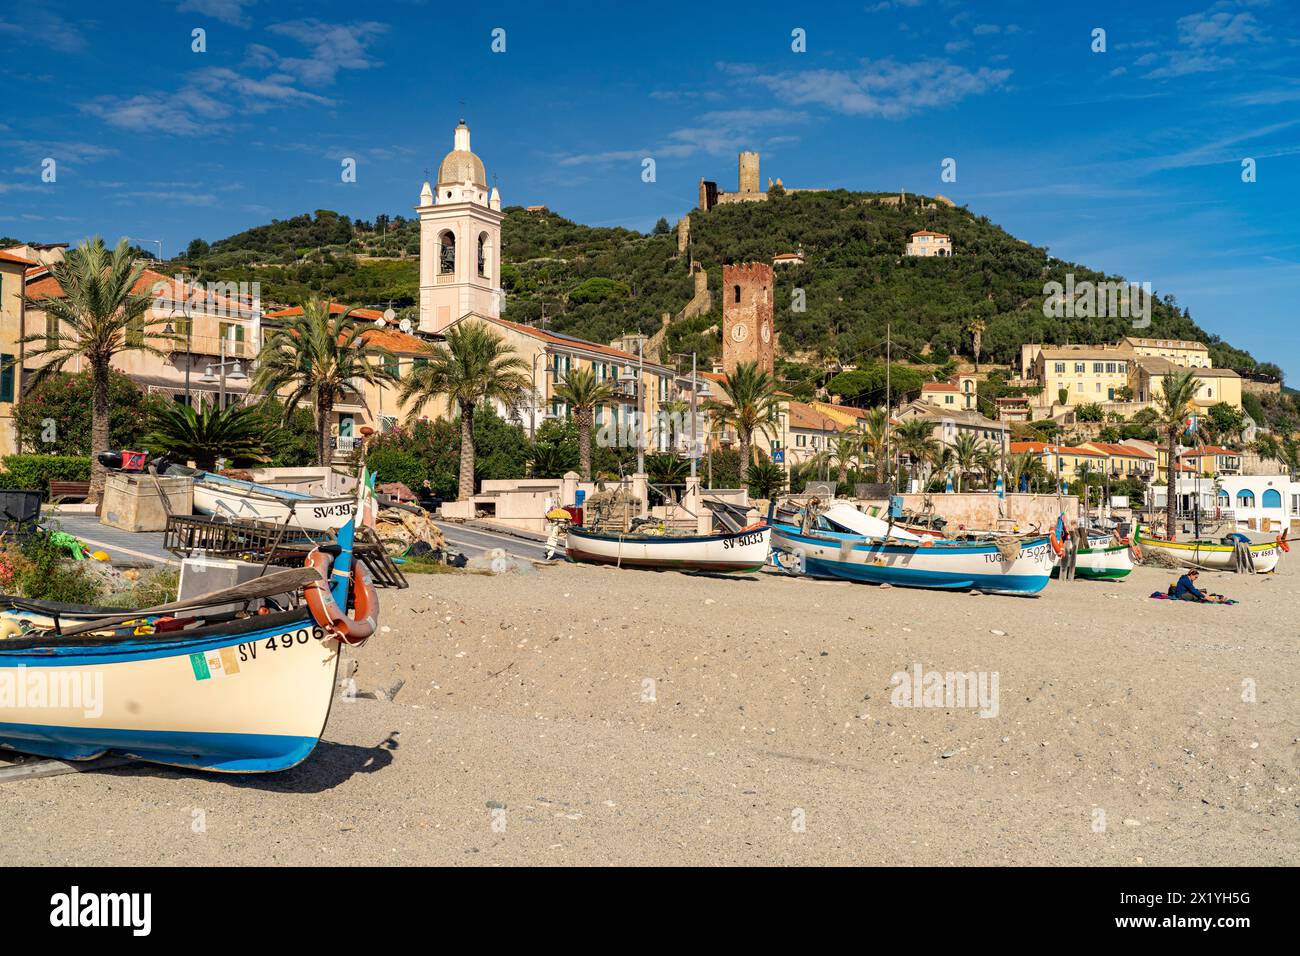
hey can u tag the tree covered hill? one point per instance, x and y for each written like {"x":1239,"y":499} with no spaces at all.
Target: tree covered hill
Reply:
{"x":599,"y":282}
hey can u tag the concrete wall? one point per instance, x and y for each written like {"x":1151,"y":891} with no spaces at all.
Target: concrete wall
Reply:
{"x":986,"y":511}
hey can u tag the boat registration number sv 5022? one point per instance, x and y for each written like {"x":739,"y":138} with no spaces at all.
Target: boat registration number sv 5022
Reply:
{"x":1036,"y":553}
{"x":754,"y":537}
{"x":344,"y":508}
{"x":249,"y":650}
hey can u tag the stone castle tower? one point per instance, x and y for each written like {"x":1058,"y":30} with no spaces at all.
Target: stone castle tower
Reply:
{"x":747,"y":174}
{"x":747,"y":333}
{"x":460,"y":240}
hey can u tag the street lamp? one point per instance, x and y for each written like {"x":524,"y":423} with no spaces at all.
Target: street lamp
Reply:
{"x":694,"y":392}
{"x":548,"y":368}
{"x":236,"y":374}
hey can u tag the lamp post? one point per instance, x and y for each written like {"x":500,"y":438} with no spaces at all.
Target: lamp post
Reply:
{"x":547,"y":368}
{"x":695,"y":389}
{"x":236,"y":374}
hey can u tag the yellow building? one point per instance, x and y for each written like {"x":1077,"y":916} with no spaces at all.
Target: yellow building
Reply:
{"x":1125,"y":461}
{"x":1085,"y":374}
{"x":1213,"y":385}
{"x":1063,"y":461}
{"x":1180,"y":352}
{"x":13,"y":280}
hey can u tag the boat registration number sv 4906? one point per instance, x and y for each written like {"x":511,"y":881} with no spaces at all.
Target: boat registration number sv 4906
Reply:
{"x":753,"y":537}
{"x":249,"y":650}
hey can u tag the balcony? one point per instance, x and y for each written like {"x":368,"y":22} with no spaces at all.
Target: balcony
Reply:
{"x":208,"y":345}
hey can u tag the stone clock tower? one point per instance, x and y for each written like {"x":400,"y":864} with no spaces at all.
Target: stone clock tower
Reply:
{"x":460,"y":240}
{"x":747,"y":332}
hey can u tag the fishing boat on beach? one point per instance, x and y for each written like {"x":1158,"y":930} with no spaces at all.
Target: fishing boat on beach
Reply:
{"x":237,"y":500}
{"x":1007,"y":565}
{"x":1261,"y":557}
{"x":191,"y":683}
{"x":1103,"y":558}
{"x":741,"y":551}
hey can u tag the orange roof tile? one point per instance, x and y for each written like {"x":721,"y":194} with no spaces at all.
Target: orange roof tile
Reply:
{"x":574,"y":342}
{"x":806,"y":416}
{"x":1206,"y":451}
{"x":927,"y":232}
{"x":939,"y":387}
{"x":1119,"y":451}
{"x":336,"y":308}
{"x":10,"y":257}
{"x":149,"y":281}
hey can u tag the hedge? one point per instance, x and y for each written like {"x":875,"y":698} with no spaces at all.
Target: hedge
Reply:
{"x":35,"y":472}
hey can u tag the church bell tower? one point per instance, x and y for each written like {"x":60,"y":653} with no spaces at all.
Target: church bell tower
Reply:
{"x":460,"y":240}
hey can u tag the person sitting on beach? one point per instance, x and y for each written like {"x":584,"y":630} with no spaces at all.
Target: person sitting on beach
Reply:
{"x":1186,"y":589}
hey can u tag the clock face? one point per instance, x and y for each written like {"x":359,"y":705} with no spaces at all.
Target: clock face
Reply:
{"x":765,"y":332}
{"x":739,"y":332}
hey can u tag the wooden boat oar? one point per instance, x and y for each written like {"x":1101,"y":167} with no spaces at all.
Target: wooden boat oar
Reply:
{"x":280,"y":582}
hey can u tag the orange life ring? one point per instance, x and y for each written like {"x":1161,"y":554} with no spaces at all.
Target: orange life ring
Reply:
{"x":1057,"y":541}
{"x":325,"y":610}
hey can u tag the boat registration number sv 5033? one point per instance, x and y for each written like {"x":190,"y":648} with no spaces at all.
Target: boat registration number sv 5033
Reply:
{"x":344,"y":508}
{"x":754,"y":537}
{"x":249,"y":650}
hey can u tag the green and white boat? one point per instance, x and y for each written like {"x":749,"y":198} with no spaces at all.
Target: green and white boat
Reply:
{"x":1104,"y":559}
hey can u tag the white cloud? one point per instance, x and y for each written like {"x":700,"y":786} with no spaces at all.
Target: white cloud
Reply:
{"x":716,"y":133}
{"x":884,"y":88}
{"x":227,"y":11}
{"x":210,"y":99}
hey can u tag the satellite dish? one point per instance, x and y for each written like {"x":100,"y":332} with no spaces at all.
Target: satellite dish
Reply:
{"x":406,"y":325}
{"x":389,"y":314}
{"x":380,"y":323}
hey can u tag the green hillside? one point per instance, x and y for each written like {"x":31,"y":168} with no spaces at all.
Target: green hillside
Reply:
{"x":600,"y":282}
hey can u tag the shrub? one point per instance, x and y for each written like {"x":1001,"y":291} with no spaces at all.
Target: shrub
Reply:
{"x":64,"y":400}
{"x":44,"y":571}
{"x":35,"y":472}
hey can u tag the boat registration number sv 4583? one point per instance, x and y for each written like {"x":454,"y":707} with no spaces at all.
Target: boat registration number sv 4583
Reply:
{"x":249,"y":650}
{"x":754,"y":537}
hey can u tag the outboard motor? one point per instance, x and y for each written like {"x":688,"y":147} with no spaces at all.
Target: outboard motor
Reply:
{"x":123,"y":460}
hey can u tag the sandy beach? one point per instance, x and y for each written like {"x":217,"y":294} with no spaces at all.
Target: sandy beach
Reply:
{"x":584,"y":715}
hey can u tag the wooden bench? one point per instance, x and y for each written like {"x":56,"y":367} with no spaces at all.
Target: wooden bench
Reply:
{"x":63,"y":490}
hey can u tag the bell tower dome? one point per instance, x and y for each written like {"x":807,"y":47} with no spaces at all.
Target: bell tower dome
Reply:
{"x":460,"y":239}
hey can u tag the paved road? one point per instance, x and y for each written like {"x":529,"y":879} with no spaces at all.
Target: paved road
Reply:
{"x":124,"y":547}
{"x":134,"y":547}
{"x":472,"y":540}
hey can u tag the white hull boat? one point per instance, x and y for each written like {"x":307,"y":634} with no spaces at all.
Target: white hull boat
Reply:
{"x":741,"y":551}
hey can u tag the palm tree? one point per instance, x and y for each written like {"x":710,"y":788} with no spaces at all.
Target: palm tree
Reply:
{"x":915,"y":439}
{"x":874,"y":430}
{"x":673,"y":411}
{"x":236,"y":431}
{"x":764,"y":479}
{"x":320,"y":357}
{"x":965,"y":451}
{"x":99,"y":305}
{"x":582,"y":392}
{"x":976,"y":329}
{"x":1173,"y":405}
{"x":475,"y":365}
{"x":989,"y":460}
{"x":752,"y":406}
{"x":843,"y":448}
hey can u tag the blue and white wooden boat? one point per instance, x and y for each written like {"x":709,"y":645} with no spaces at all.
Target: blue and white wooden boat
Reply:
{"x":252,"y":501}
{"x":247,"y":694}
{"x":949,"y":565}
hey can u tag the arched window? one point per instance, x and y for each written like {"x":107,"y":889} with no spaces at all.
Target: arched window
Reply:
{"x":446,"y":253}
{"x":1223,"y":499}
{"x":1245,"y":499}
{"x":482,"y":253}
{"x":1272,"y":498}
{"x":735,"y":293}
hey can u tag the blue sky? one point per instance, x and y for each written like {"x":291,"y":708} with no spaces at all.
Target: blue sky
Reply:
{"x":1128,"y":160}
